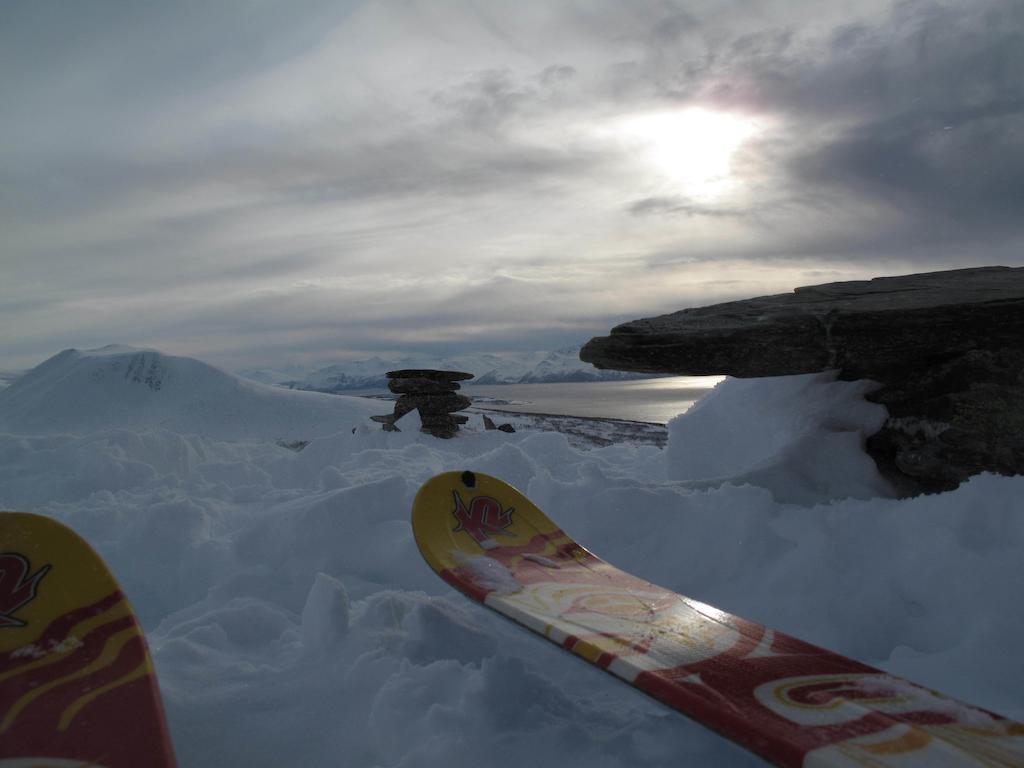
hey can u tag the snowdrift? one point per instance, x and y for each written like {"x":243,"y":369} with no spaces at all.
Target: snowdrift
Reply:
{"x":294,"y":623}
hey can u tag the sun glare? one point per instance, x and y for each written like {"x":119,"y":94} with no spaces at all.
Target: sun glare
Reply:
{"x":692,"y":148}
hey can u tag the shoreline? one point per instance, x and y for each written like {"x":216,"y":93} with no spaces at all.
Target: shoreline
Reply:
{"x":643,"y":401}
{"x":585,"y":431}
{"x":569,"y":416}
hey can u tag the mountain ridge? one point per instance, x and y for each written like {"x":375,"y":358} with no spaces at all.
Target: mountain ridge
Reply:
{"x":560,"y":365}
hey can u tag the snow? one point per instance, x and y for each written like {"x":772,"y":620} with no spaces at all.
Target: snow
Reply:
{"x":116,"y":386}
{"x":9,"y":377}
{"x":293,"y":622}
{"x":789,"y":434}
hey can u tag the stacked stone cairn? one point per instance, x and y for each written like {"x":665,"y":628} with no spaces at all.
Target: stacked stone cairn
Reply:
{"x":433,"y":394}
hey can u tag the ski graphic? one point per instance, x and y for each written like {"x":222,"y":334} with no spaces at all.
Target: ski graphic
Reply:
{"x":77,"y":685}
{"x":791,"y":702}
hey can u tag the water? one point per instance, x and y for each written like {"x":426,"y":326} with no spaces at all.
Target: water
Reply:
{"x":653,"y":400}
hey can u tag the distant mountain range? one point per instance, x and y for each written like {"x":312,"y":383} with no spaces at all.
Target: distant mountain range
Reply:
{"x":509,"y":368}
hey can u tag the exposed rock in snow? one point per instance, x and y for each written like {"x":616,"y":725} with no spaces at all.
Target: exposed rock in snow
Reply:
{"x":874,"y":329}
{"x":947,"y":346}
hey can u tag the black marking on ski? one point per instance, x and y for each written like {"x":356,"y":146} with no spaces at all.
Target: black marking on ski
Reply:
{"x":469,"y":479}
{"x":18,"y":586}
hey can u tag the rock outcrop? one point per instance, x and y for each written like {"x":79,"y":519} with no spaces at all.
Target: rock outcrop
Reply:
{"x":433,"y":394}
{"x":947,"y":349}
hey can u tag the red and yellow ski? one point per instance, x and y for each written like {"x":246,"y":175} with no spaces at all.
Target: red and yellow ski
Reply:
{"x":77,"y":686}
{"x":789,"y":701}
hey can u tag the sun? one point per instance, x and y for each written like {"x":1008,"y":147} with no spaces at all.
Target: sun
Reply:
{"x":692,"y":148}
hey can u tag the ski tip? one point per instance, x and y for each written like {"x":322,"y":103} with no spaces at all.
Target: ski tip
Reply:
{"x":465,"y":513}
{"x":64,"y":617}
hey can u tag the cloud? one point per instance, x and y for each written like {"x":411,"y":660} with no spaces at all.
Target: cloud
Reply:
{"x":921,"y":111}
{"x":679,"y":205}
{"x":356,"y":176}
{"x":959,"y":173}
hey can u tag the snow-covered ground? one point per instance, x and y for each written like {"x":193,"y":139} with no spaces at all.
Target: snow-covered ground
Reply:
{"x":293,"y":621}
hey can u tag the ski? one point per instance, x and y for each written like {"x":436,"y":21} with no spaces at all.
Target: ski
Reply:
{"x":77,"y":685}
{"x":791,"y":702}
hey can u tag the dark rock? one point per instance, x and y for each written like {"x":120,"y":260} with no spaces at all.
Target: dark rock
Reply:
{"x":440,"y":426}
{"x":438,"y":421}
{"x":293,"y":445}
{"x":946,"y":347}
{"x":444,"y":403}
{"x":402,"y":408}
{"x":432,"y":394}
{"x":421,"y":386}
{"x":506,"y":428}
{"x":868,"y":328}
{"x":442,"y":421}
{"x":952,"y":421}
{"x":489,"y":424}
{"x":387,"y":422}
{"x":426,"y":373}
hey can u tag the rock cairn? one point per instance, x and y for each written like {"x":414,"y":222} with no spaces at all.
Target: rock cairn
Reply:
{"x":946,"y":348}
{"x":433,"y":394}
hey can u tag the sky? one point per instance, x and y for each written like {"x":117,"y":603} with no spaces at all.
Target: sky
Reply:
{"x":279,"y":182}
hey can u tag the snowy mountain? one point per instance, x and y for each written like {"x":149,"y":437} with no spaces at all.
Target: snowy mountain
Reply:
{"x":507,"y":368}
{"x":565,"y":365}
{"x":125,"y":388}
{"x":274,"y":376}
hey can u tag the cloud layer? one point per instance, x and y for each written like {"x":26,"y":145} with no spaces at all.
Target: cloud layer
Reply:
{"x":266,"y":183}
